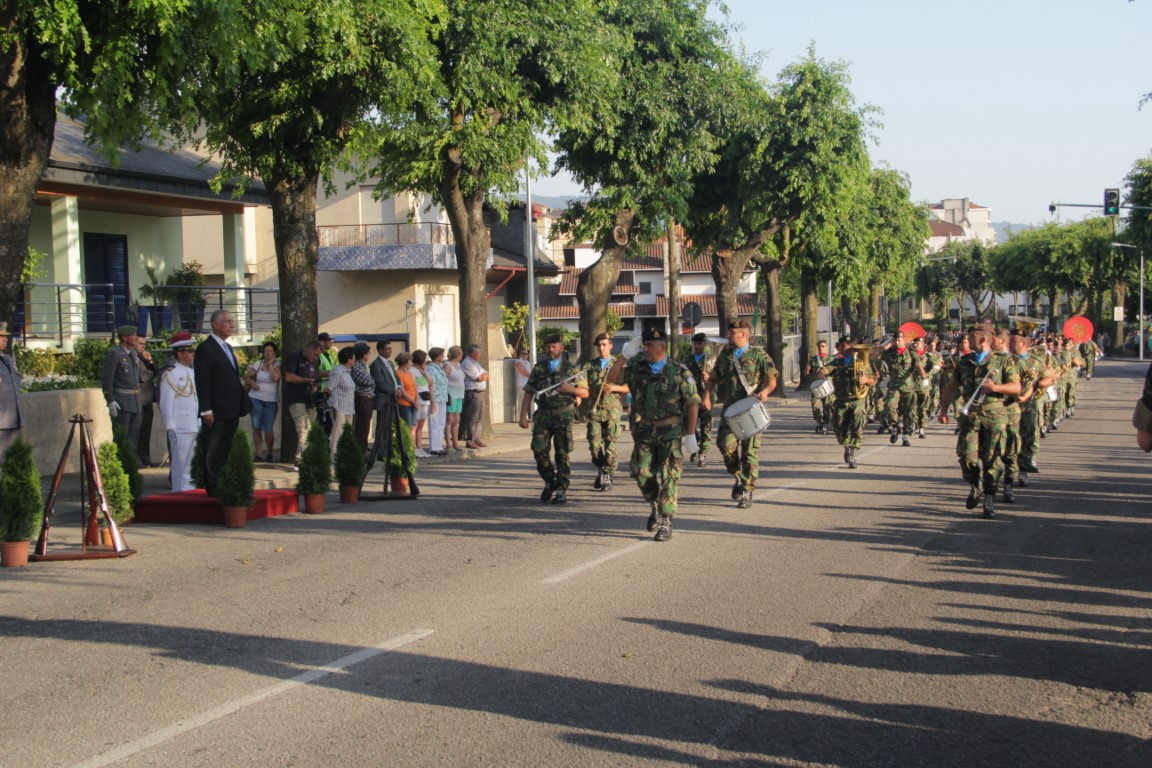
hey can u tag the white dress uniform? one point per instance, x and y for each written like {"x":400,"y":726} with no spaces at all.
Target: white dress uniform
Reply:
{"x":178,"y":407}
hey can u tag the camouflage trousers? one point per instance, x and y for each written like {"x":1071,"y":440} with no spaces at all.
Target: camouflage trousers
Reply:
{"x":741,"y":457}
{"x":823,"y":409}
{"x":980,"y":445}
{"x":603,"y":434}
{"x":1012,"y":442}
{"x":1031,"y":414}
{"x":920,"y":408}
{"x":657,"y":461}
{"x":546,"y":433}
{"x":704,"y":428}
{"x":934,"y":399}
{"x":851,"y":421}
{"x":1069,"y":392}
{"x":875,"y":404}
{"x":901,"y":409}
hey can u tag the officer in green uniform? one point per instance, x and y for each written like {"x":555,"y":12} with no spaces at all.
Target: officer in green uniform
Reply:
{"x":995,"y":375}
{"x":664,"y":407}
{"x":1035,"y":378}
{"x":1075,"y":363}
{"x":699,"y":364}
{"x":823,"y":408}
{"x":604,"y":413}
{"x":741,"y":370}
{"x":558,"y":383}
{"x":1010,"y":455}
{"x":934,"y":362}
{"x":921,"y":387}
{"x":852,"y":385}
{"x":1088,"y":351}
{"x":903,"y":375}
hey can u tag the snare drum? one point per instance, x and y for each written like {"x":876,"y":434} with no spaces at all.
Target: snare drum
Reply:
{"x":1053,"y":393}
{"x":822,"y":388}
{"x":747,"y":417}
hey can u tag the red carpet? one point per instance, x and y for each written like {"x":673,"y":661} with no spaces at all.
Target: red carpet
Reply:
{"x":200,"y":508}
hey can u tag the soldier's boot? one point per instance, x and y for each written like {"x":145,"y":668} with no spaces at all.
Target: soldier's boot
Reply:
{"x":654,"y":518}
{"x":692,"y":458}
{"x":881,"y":430}
{"x":664,"y":528}
{"x":745,"y":500}
{"x":549,"y":489}
{"x":973,"y":496}
{"x":847,"y":454}
{"x":921,"y":435}
{"x":599,"y":483}
{"x":989,"y":506}
{"x":894,"y":435}
{"x":852,"y":456}
{"x":1044,"y":431}
{"x":1009,"y":494}
{"x":907,"y":441}
{"x":700,"y":461}
{"x":1030,"y":466}
{"x":606,"y":485}
{"x":737,"y":490}
{"x":1071,"y":411}
{"x":1022,"y":480}
{"x":819,"y":427}
{"x":561,"y":497}
{"x":1054,"y":426}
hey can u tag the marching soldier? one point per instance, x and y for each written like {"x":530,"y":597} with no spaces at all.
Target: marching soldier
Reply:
{"x":1089,"y":351}
{"x":823,"y":408}
{"x":923,"y":387}
{"x":853,"y":379}
{"x":664,"y":407}
{"x":1035,"y":377}
{"x":903,"y":375}
{"x":935,"y":365}
{"x":741,"y":371}
{"x":699,"y":364}
{"x":604,"y":413}
{"x":558,"y":383}
{"x":983,"y":379}
{"x":1075,"y":363}
{"x":1010,"y":454}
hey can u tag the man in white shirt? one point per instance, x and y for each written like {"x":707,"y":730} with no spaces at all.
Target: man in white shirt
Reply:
{"x":180,"y":410}
{"x":475,"y":395}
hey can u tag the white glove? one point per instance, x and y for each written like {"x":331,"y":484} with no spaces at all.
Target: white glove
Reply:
{"x":691,"y":446}
{"x":632,"y":347}
{"x":113,"y":409}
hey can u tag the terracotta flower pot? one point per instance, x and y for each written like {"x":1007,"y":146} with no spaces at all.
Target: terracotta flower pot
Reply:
{"x":13,"y":553}
{"x":106,"y":537}
{"x":313,"y":503}
{"x":235,"y":517}
{"x":349,"y":494}
{"x":398,"y":484}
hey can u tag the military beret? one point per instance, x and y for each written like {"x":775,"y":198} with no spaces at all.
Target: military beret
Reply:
{"x":127,"y":330}
{"x":181,"y":339}
{"x":655,"y":334}
{"x":845,"y":340}
{"x":554,"y":338}
{"x":700,"y":337}
{"x":736,"y":324}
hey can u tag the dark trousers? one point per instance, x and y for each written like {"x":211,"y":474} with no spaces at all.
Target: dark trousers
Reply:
{"x":144,"y":443}
{"x":363,"y":420}
{"x":217,"y":441}
{"x":130,"y":422}
{"x":474,"y":413}
{"x":385,"y":416}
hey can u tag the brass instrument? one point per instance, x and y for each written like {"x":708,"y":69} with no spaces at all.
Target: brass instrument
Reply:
{"x":978,"y":396}
{"x":861,"y":367}
{"x":559,"y":384}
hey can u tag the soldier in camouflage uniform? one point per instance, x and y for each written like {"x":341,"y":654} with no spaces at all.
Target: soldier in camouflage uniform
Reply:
{"x":876,"y":409}
{"x":922,"y":389}
{"x":740,"y":360}
{"x":903,"y":375}
{"x":935,"y":365}
{"x":664,"y":405}
{"x":1088,"y":351}
{"x":982,"y":431}
{"x":1010,"y":455}
{"x":823,"y":408}
{"x":699,"y":365}
{"x":851,"y":398}
{"x":555,"y":412}
{"x":604,"y":413}
{"x":1075,"y":363}
{"x":1035,"y":377}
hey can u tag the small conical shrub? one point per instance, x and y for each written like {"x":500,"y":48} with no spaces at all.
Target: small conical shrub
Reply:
{"x":350,"y":466}
{"x":315,"y":475}
{"x":128,"y":462}
{"x":237,"y":484}
{"x":117,"y":488}
{"x":21,"y":504}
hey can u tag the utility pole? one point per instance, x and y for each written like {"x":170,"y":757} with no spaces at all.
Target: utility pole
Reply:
{"x":673,"y":290}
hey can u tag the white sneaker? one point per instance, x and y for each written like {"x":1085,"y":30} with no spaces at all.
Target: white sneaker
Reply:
{"x":422,"y":454}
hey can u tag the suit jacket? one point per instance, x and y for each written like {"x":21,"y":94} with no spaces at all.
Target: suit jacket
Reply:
{"x":385,"y":383}
{"x":218,"y":385}
{"x":11,"y":414}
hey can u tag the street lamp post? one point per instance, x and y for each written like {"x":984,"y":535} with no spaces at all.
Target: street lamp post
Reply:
{"x":1140,"y":320}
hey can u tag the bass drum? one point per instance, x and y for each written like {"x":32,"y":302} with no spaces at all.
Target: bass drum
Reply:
{"x":822,"y":388}
{"x":747,"y":417}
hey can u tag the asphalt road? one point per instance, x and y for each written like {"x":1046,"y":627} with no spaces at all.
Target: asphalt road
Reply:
{"x":850,"y":618}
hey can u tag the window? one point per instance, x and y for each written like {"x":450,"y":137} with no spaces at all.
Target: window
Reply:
{"x":570,"y":257}
{"x":645,"y":288}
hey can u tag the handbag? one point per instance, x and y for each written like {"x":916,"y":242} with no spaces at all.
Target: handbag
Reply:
{"x":425,"y":395}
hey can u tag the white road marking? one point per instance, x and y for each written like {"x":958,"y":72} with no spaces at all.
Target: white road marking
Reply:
{"x":565,"y":575}
{"x":192,"y":723}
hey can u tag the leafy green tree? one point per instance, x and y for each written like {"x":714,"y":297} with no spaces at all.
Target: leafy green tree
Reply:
{"x":673,"y":76}
{"x":507,"y":72}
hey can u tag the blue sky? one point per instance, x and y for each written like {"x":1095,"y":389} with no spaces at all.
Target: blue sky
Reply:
{"x":1014,"y":104}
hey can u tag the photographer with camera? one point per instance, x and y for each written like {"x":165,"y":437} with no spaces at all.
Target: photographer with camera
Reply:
{"x":301,"y":376}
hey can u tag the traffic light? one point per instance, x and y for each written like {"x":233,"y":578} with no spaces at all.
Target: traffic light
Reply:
{"x":1111,"y":202}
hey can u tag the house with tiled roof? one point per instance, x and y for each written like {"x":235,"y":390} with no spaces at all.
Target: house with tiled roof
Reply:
{"x":959,"y":219}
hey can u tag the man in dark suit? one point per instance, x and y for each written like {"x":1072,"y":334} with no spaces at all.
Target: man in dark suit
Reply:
{"x":221,"y":396}
{"x":384,"y":374}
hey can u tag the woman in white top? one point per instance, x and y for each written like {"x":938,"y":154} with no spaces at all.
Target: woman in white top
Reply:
{"x":263,"y":382}
{"x":456,"y":395}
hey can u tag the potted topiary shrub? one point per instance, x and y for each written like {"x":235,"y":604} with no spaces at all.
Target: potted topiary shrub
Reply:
{"x":397,"y":474}
{"x":117,"y":489}
{"x":350,"y":466}
{"x":315,"y":475}
{"x":21,"y":504}
{"x":159,"y":311}
{"x":129,"y":464}
{"x":236,"y":489}
{"x":188,"y":296}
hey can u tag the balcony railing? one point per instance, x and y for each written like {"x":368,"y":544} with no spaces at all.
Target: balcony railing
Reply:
{"x":407,"y":233}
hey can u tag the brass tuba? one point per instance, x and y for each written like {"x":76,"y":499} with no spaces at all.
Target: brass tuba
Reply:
{"x":861,"y":367}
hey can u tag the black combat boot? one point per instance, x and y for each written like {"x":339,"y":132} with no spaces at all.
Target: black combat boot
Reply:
{"x":989,"y":505}
{"x":973,"y":496}
{"x":654,"y":518}
{"x":852,"y":455}
{"x":664,"y":528}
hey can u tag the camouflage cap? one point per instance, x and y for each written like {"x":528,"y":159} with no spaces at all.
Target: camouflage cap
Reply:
{"x":554,"y":338}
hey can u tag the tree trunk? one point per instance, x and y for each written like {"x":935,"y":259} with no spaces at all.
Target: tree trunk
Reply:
{"x":809,"y":309}
{"x":673,"y":290}
{"x":855,"y":314}
{"x":1053,"y":295}
{"x":594,"y":288}
{"x":297,"y":252}
{"x":27,"y":126}
{"x":1119,"y":291}
{"x":874,"y":327}
{"x":727,"y":271}
{"x":773,"y":330}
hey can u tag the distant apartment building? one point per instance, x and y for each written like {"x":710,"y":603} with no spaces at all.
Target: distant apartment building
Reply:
{"x":958,"y":219}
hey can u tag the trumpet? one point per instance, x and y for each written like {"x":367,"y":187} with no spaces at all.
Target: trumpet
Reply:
{"x":861,"y":367}
{"x":977,"y":396}
{"x":558,"y":384}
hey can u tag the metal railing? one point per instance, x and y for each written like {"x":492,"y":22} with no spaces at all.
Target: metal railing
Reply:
{"x":407,"y":233}
{"x":63,"y":310}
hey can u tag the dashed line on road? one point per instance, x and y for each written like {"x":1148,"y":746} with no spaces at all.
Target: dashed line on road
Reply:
{"x":198,"y":721}
{"x":565,"y":575}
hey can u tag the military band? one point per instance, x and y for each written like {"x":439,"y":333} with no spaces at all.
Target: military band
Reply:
{"x":823,"y":408}
{"x":604,"y":413}
{"x":853,"y":376}
{"x":699,"y":363}
{"x":555,"y":383}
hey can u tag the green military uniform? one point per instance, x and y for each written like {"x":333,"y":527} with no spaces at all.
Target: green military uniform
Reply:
{"x":1032,"y":368}
{"x":902,"y":383}
{"x":921,"y":393}
{"x":741,"y":457}
{"x":703,"y":415}
{"x":823,"y":408}
{"x":875,"y":407}
{"x":983,"y":431}
{"x":1075,"y":362}
{"x":552,"y":422}
{"x":659,"y":400}
{"x":851,"y":409}
{"x":1088,"y":351}
{"x":604,"y":411}
{"x":934,"y":364}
